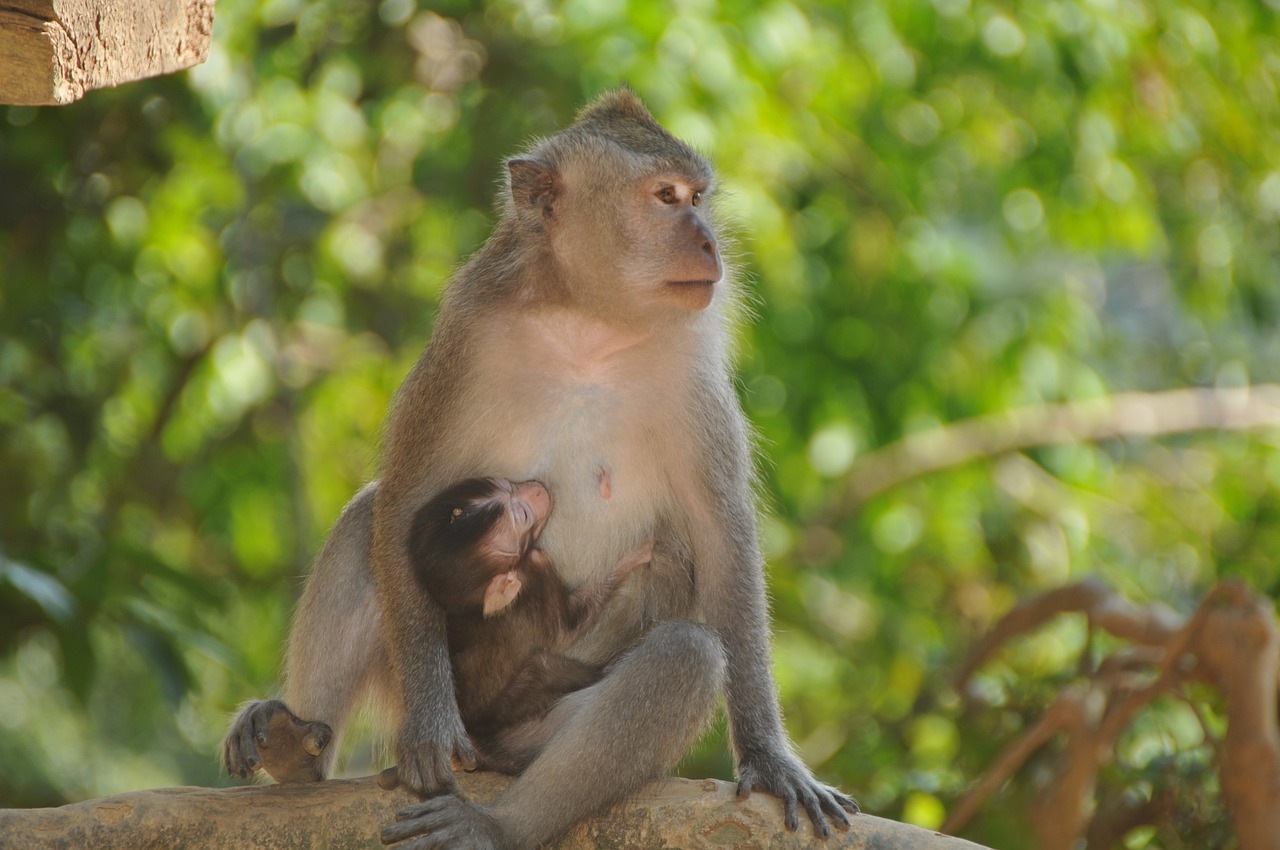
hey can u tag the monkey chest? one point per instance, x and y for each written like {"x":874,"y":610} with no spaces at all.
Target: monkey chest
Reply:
{"x":558,"y":400}
{"x":592,"y":447}
{"x":597,"y":454}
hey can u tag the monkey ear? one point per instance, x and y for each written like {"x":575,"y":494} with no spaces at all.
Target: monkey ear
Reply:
{"x":534,"y":184}
{"x":501,"y":592}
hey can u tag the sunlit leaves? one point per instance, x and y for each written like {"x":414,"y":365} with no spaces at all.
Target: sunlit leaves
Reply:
{"x":211,"y":284}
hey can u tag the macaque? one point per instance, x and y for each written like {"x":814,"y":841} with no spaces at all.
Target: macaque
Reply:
{"x":507,"y":611}
{"x":586,"y":345}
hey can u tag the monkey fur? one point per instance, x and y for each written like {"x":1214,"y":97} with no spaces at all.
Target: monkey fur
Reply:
{"x":586,"y":344}
{"x":507,"y":611}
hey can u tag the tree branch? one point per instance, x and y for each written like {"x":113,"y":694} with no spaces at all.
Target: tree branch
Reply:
{"x":350,"y":813}
{"x":1150,"y":626}
{"x":1240,"y":647}
{"x":1122,"y":415}
{"x":1066,"y":713}
{"x":1231,"y":641}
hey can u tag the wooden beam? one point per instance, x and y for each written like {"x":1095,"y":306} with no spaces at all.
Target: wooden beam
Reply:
{"x":53,"y":51}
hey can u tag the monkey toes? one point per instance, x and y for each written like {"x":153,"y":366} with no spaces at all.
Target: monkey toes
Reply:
{"x":267,"y":736}
{"x":444,"y":822}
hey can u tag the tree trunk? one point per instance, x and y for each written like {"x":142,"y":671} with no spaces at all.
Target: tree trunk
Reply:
{"x":349,"y":813}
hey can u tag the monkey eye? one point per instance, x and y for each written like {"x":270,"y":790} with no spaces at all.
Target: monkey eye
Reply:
{"x":697,"y":198}
{"x":457,"y":512}
{"x":667,"y":194}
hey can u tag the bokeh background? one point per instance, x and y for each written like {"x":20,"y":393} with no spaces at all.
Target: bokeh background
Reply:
{"x":212,"y":283}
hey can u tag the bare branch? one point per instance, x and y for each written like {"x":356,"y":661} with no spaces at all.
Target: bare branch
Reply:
{"x":1066,"y":713}
{"x":1122,"y":415}
{"x":1152,"y":625}
{"x":1240,"y":647}
{"x":1231,"y":641}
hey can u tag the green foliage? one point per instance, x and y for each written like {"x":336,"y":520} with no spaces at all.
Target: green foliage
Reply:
{"x":213,"y":282}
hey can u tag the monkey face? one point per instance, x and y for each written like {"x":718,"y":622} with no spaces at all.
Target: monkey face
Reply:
{"x":679,"y":225}
{"x":526,"y":508}
{"x":469,"y":542}
{"x":623,"y":206}
{"x":491,"y":519}
{"x":664,"y":252}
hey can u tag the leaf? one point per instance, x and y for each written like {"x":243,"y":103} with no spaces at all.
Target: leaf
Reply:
{"x":45,"y":590}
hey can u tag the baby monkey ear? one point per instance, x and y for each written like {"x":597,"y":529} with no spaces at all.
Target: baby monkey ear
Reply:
{"x":501,"y":592}
{"x":534,"y":185}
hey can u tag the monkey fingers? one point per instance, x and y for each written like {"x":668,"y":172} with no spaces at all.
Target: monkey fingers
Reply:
{"x":424,"y":757}
{"x":445,"y":822}
{"x":426,"y":775}
{"x":821,"y":803}
{"x":789,"y":780}
{"x":240,"y":747}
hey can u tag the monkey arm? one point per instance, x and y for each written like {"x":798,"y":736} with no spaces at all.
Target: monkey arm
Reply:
{"x":731,"y":596}
{"x":585,"y":602}
{"x":732,"y":599}
{"x":431,"y":730}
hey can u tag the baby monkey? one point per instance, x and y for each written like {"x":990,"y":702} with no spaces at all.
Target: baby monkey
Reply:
{"x":508,"y":612}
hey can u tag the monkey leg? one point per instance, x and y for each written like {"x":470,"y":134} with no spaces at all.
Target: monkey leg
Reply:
{"x":266,"y":735}
{"x":629,"y":728}
{"x":336,"y":655}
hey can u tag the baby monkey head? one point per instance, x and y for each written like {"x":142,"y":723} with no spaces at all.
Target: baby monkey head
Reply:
{"x":470,"y":543}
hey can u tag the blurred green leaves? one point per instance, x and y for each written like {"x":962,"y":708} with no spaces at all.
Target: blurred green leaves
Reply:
{"x":212,"y":283}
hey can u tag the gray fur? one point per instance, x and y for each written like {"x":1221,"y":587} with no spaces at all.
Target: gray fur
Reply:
{"x":562,"y":347}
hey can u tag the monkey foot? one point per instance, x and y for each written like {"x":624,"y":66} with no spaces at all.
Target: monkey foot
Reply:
{"x":446,"y":822}
{"x":267,"y":736}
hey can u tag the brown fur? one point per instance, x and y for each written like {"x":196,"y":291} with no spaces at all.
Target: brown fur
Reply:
{"x":590,"y":332}
{"x":505,"y":657}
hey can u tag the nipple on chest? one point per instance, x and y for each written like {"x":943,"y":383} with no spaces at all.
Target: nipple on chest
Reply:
{"x":604,"y":482}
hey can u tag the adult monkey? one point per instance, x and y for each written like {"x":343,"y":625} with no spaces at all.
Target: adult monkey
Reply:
{"x":586,"y":345}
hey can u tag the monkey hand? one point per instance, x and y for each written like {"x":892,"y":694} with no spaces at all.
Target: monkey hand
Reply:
{"x":446,"y":822}
{"x":784,"y":776}
{"x":425,"y":753}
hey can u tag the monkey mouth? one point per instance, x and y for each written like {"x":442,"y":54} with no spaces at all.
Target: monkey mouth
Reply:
{"x":691,"y":294}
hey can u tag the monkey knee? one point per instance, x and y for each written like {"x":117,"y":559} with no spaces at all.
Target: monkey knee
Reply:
{"x":692,"y":652}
